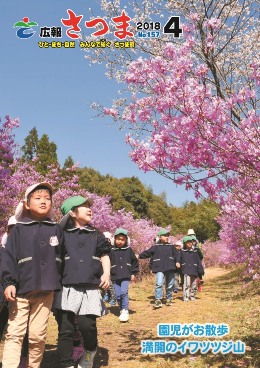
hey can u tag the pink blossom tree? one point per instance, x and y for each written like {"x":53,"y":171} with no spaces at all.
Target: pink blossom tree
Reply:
{"x":180,"y":128}
{"x":192,"y":115}
{"x":7,"y":153}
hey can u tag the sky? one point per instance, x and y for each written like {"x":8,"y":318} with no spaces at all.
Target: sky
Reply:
{"x":52,"y":89}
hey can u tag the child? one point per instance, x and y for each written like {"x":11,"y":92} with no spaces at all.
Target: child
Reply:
{"x":165,"y":259}
{"x":124,"y":267}
{"x":109,"y":294}
{"x":191,"y":267}
{"x":177,"y":245}
{"x":3,"y":303}
{"x":86,"y":268}
{"x":195,"y":245}
{"x":30,"y":274}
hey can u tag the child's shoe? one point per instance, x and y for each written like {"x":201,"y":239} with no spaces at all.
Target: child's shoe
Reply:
{"x":185,"y":299}
{"x":158,"y":303}
{"x":124,"y":315}
{"x":77,"y":353}
{"x":192,"y":298}
{"x":168,"y":302}
{"x":175,"y":290}
{"x":87,"y":360}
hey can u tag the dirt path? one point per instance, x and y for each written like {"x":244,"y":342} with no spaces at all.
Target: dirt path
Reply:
{"x":119,"y":343}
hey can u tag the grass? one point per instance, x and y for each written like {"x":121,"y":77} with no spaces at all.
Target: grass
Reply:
{"x":225,"y":298}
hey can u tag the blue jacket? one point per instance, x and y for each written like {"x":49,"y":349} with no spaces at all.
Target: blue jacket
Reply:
{"x":191,"y":263}
{"x":163,"y":257}
{"x":124,"y":263}
{"x":82,"y":252}
{"x":31,"y":259}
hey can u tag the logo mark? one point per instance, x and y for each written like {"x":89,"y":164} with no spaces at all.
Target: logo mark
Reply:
{"x":25,"y":30}
{"x":54,"y":241}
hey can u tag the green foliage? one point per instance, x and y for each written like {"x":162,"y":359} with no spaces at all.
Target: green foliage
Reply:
{"x":131,"y":194}
{"x":200,"y":217}
{"x":133,"y":191}
{"x":69,"y":162}
{"x":90,"y":179}
{"x":42,"y":148}
{"x":159,"y":210}
{"x":30,"y":145}
{"x":46,"y":153}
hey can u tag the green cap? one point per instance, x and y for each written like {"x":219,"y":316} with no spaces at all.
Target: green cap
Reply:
{"x":74,"y":201}
{"x":163,"y":232}
{"x":70,"y":203}
{"x":193,"y":237}
{"x":121,"y":231}
{"x":186,"y":238}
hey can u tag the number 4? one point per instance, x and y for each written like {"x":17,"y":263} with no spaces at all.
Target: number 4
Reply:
{"x":176,"y":30}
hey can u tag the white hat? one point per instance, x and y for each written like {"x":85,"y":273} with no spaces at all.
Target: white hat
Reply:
{"x":191,"y":232}
{"x":20,"y":211}
{"x":11,"y":221}
{"x":108,"y":235}
{"x":178,"y":242}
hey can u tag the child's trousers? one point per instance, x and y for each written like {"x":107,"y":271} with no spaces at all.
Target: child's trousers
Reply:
{"x":189,"y":286}
{"x":88,"y":329}
{"x":159,"y":280}
{"x":30,"y":309}
{"x":176,"y":280}
{"x":121,"y":291}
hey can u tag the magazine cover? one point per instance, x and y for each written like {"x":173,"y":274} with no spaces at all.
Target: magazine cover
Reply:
{"x":129,"y":184}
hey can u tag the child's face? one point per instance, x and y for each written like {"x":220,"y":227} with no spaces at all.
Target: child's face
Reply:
{"x":188,"y":244}
{"x":82,"y":215}
{"x":120,"y":240}
{"x":164,"y":238}
{"x":39,"y":204}
{"x":178,"y":247}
